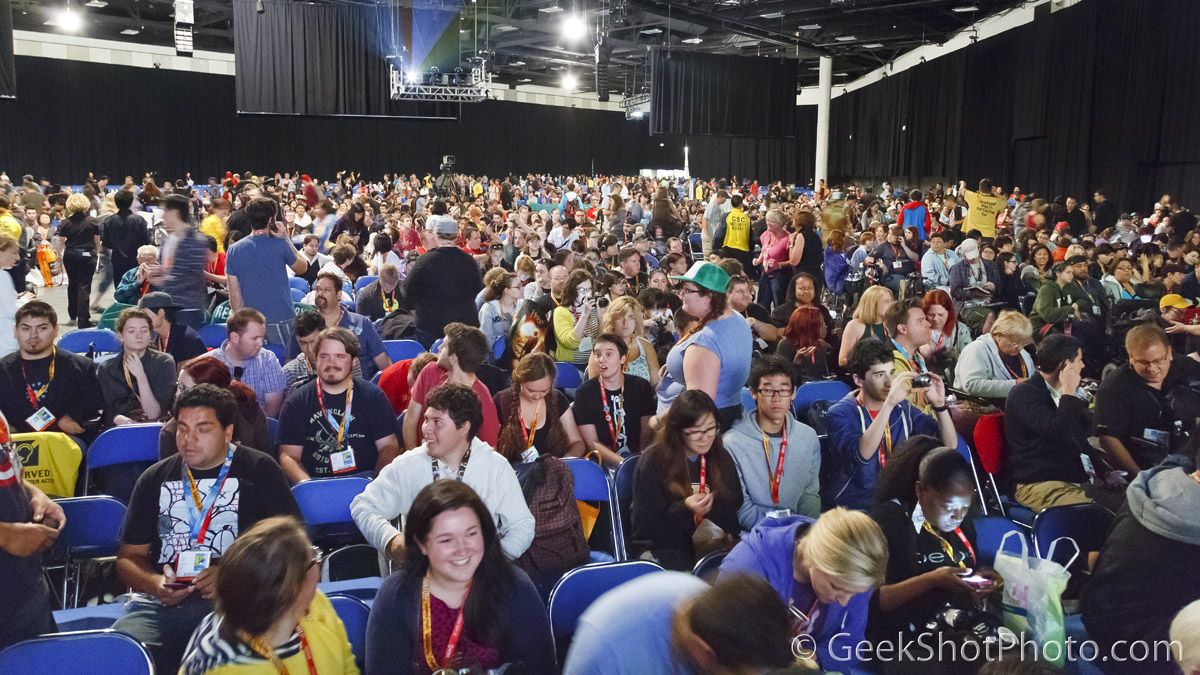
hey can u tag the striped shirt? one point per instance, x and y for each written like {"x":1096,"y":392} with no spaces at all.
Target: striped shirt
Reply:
{"x":262,"y":373}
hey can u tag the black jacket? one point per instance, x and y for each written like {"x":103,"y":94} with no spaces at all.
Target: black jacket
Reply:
{"x":1044,"y":441}
{"x":123,"y":233}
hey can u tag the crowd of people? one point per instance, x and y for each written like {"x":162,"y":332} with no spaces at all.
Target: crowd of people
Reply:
{"x":667,"y":321}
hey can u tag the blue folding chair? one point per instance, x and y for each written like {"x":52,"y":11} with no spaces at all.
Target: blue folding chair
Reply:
{"x":299,"y":284}
{"x":706,"y":567}
{"x":325,"y":505}
{"x":437,"y":345}
{"x":92,"y":531}
{"x":297,"y":294}
{"x":362,"y":283}
{"x":94,"y":617}
{"x":696,"y":244}
{"x":623,"y":486}
{"x":103,"y":340}
{"x":105,"y":652}
{"x":591,"y":485}
{"x":580,"y":587}
{"x":213,"y":335}
{"x":278,"y":351}
{"x":989,"y":533}
{"x":399,"y":350}
{"x":748,"y":402}
{"x":349,"y":306}
{"x":1086,"y":524}
{"x":131,"y":444}
{"x":821,"y":390}
{"x":353,"y":612}
{"x":567,"y":376}
{"x":273,"y":429}
{"x":498,"y":348}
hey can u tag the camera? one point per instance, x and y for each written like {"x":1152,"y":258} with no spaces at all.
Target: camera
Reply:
{"x":921,"y":381}
{"x":602,"y":302}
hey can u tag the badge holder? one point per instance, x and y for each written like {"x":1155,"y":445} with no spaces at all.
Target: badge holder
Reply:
{"x":40,"y":420}
{"x":343,"y":461}
{"x":189,"y":564}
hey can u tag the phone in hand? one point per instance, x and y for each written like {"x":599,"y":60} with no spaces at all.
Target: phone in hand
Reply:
{"x":977,"y":580}
{"x":177,"y":585}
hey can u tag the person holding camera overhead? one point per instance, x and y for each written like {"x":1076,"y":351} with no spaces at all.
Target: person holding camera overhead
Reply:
{"x":577,"y":320}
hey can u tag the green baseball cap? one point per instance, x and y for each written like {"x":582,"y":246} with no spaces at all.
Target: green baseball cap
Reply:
{"x":706,"y":275}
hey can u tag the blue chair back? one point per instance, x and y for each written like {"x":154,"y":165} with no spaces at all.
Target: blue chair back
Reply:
{"x":376,"y":377}
{"x":106,"y":652}
{"x":437,"y":345}
{"x":362,"y":283}
{"x":706,"y":567}
{"x":124,"y":444}
{"x":823,"y":390}
{"x":580,"y":587}
{"x":213,"y":335}
{"x":326,"y":501}
{"x":349,"y":306}
{"x":965,"y":450}
{"x":353,"y":612}
{"x":297,"y":295}
{"x":748,"y":402}
{"x":273,"y":429}
{"x":399,"y":350}
{"x":1087,"y":524}
{"x":279,"y":352}
{"x":567,"y":375}
{"x":93,"y":527}
{"x":299,"y":284}
{"x":591,"y":484}
{"x":623,"y":484}
{"x":989,"y":532}
{"x":498,"y":348}
{"x":79,"y":341}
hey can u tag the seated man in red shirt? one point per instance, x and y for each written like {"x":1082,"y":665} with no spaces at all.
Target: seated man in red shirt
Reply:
{"x":397,"y":380}
{"x":463,"y":352}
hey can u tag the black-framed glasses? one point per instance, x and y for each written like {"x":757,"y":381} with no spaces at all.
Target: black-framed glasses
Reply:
{"x":775,"y":393}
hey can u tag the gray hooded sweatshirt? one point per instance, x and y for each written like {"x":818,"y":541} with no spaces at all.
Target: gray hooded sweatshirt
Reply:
{"x":799,"y":489}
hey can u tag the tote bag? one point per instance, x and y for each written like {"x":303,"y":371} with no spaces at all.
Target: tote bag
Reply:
{"x":1032,"y":597}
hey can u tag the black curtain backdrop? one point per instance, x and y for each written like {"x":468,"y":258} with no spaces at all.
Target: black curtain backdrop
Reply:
{"x":1097,"y":96}
{"x":8,"y":72}
{"x":711,"y":94}
{"x":75,"y":117}
{"x":317,"y":59}
{"x":790,"y":160}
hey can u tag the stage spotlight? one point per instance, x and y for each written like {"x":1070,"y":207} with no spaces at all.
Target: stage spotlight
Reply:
{"x":569,"y":82}
{"x":69,"y":21}
{"x":574,"y":27}
{"x":413,"y":77}
{"x":258,"y":7}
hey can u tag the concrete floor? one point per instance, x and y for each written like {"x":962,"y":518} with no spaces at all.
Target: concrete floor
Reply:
{"x":57,"y":297}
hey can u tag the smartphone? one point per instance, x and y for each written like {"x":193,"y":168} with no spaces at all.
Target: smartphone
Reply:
{"x":977,"y":580}
{"x":177,"y":585}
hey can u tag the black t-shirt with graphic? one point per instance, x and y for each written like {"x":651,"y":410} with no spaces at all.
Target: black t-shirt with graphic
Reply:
{"x":301,"y":423}
{"x":635,"y":402}
{"x":74,"y":391}
{"x":158,"y":515}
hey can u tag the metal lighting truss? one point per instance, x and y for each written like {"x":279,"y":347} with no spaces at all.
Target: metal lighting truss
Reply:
{"x":636,"y":106}
{"x":402,"y":90}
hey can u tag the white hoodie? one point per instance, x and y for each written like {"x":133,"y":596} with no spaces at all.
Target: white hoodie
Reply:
{"x":490,"y":475}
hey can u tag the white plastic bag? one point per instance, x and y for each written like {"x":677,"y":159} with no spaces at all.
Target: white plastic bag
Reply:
{"x":1032,"y":599}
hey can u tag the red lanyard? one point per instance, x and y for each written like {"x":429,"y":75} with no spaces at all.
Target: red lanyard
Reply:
{"x":608,"y":416}
{"x":704,"y":474}
{"x":427,"y":630}
{"x":34,"y":398}
{"x":1024,"y":372}
{"x":963,"y":538}
{"x":341,"y":426}
{"x":887,"y":433}
{"x":938,"y":344}
{"x":778,"y":477}
{"x":312,"y":666}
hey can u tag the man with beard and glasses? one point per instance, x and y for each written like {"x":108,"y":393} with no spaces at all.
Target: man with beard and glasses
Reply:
{"x":326,"y":293}
{"x":336,"y":424}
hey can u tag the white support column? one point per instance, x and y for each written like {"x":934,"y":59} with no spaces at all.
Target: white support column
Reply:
{"x":821,"y":170}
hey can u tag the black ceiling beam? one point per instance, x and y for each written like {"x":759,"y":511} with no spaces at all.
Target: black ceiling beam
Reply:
{"x":714,"y":21}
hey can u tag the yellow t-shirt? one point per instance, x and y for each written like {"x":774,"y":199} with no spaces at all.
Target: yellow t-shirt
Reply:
{"x":700,"y":191}
{"x":982,"y":211}
{"x":215,"y":228}
{"x":477,"y":189}
{"x":208,"y":654}
{"x":737,"y":230}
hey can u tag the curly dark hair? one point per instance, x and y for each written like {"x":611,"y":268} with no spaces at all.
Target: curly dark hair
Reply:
{"x":461,"y":403}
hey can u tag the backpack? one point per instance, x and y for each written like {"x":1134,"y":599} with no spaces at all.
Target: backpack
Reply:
{"x":558,"y":542}
{"x":570,"y":207}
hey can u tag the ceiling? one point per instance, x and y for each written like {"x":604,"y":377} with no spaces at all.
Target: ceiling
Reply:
{"x":527,"y":45}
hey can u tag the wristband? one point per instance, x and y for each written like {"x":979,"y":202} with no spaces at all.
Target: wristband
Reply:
{"x":941,"y":409}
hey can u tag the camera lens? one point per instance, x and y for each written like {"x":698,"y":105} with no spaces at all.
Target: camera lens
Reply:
{"x":921,"y":381}
{"x":602,"y":302}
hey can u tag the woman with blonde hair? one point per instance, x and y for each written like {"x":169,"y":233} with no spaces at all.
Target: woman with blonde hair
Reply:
{"x":270,"y":617}
{"x":625,"y":317}
{"x":996,"y":361}
{"x":81,"y":235}
{"x":867,"y":321}
{"x":826,"y":569}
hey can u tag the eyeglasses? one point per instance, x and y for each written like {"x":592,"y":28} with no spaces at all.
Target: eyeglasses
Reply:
{"x":701,"y":433}
{"x":318,"y":558}
{"x":774,"y":393}
{"x":684,"y":292}
{"x":1157,"y":363}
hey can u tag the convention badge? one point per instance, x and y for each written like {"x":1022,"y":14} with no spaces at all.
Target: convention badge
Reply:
{"x":191,"y":563}
{"x":897,"y":264}
{"x":343,"y":461}
{"x":41,"y":419}
{"x":530,"y":454}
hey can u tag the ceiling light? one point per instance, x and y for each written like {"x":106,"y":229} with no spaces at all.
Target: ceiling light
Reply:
{"x":130,"y":31}
{"x":845,"y":38}
{"x":965,"y":8}
{"x":68,"y":21}
{"x":810,"y":26}
{"x":503,"y":28}
{"x":525,"y":79}
{"x":693,"y":41}
{"x":96,"y":3}
{"x":551,"y":10}
{"x":574,"y":27}
{"x":873,"y":45}
{"x":652,"y":31}
{"x":841,"y":74}
{"x":569,"y":82}
{"x":637,"y":114}
{"x":771,"y":15}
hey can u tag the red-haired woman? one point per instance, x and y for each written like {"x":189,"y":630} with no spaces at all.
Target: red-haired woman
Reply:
{"x":804,"y":344}
{"x":251,"y":428}
{"x":949,"y":335}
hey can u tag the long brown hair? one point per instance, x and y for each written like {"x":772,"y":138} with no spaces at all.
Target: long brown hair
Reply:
{"x":717,"y":303}
{"x":670,"y":446}
{"x":511,"y":441}
{"x":266,"y":569}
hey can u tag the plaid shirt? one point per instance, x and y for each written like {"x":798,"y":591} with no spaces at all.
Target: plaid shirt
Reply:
{"x":263,"y":373}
